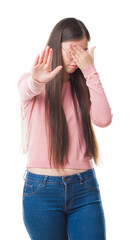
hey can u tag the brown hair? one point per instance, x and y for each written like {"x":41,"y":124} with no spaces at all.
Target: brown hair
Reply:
{"x":67,"y":29}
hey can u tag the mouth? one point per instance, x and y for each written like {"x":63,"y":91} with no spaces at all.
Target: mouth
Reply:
{"x":74,"y":66}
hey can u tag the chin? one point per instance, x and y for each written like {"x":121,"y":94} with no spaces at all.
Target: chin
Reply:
{"x":71,"y":70}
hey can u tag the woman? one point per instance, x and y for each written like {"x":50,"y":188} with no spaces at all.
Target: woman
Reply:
{"x":60,"y":98}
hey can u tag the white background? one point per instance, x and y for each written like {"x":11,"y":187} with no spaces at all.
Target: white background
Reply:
{"x":25,"y":28}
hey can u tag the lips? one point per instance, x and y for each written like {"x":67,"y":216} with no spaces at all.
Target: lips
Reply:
{"x":75,"y":66}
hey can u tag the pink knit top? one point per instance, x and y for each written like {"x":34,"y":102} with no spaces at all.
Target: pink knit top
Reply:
{"x":32,"y":97}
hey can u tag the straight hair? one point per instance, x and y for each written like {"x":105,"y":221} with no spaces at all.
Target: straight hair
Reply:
{"x":68,"y":29}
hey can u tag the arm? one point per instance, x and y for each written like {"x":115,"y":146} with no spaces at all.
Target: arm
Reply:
{"x":100,"y":111}
{"x":29,"y":87}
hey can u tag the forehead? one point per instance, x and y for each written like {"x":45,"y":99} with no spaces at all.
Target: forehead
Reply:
{"x":82,"y":42}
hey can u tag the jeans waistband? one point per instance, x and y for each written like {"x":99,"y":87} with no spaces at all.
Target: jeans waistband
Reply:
{"x":59,"y":179}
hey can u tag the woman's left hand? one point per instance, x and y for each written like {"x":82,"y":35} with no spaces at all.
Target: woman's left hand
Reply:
{"x":82,"y":57}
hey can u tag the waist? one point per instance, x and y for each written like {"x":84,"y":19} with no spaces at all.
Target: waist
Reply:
{"x":54,"y":172}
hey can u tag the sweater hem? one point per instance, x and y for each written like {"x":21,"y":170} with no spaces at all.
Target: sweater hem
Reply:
{"x":76,"y":165}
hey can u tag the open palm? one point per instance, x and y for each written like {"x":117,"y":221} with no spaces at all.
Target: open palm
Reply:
{"x":41,"y":69}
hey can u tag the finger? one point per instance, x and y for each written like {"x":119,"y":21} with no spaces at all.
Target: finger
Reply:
{"x":76,"y":51}
{"x":80,"y":49}
{"x":46,"y":55}
{"x":49,"y":60}
{"x":74,"y":56}
{"x":36,"y":60}
{"x":42,"y":56}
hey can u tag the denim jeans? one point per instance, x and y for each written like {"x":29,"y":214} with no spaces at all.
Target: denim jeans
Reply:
{"x":63,"y":207}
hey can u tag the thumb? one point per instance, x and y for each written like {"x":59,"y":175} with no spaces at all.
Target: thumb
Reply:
{"x":92,"y":51}
{"x":56,"y":71}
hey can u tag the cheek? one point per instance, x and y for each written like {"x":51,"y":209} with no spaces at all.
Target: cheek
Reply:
{"x":65,"y":60}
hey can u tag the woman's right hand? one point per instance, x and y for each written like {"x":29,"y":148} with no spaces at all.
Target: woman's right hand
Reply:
{"x":41,"y":69}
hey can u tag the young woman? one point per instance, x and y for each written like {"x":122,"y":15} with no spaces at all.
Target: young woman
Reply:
{"x":60,"y":98}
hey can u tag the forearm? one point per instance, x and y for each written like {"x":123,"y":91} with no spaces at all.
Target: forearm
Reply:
{"x":29,"y":87}
{"x":100,"y":111}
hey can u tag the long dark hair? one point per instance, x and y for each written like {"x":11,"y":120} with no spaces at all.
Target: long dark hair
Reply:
{"x":67,"y":29}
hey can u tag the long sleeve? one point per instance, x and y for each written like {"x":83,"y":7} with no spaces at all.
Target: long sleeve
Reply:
{"x":100,"y":111}
{"x":29,"y":87}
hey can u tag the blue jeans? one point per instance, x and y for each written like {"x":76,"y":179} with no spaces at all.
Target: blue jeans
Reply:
{"x":63,"y":207}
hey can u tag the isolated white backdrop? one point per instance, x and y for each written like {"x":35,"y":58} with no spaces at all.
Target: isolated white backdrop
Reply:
{"x":25,"y":28}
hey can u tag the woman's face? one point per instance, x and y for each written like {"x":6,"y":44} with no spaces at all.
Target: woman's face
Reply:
{"x":68,"y":62}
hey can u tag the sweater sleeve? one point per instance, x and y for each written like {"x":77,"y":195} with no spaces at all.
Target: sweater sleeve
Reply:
{"x":29,"y":87}
{"x":100,"y":111}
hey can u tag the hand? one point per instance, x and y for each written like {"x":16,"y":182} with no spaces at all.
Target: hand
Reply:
{"x":41,"y":69}
{"x":82,"y":57}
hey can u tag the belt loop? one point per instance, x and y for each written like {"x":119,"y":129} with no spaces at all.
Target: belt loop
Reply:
{"x":24,"y":174}
{"x":44,"y":180}
{"x":81,"y":178}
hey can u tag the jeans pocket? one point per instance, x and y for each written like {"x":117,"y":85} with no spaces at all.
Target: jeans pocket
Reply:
{"x":31,"y":187}
{"x":91,"y":182}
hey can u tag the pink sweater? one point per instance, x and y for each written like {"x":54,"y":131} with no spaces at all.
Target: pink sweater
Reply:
{"x":32,"y":96}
